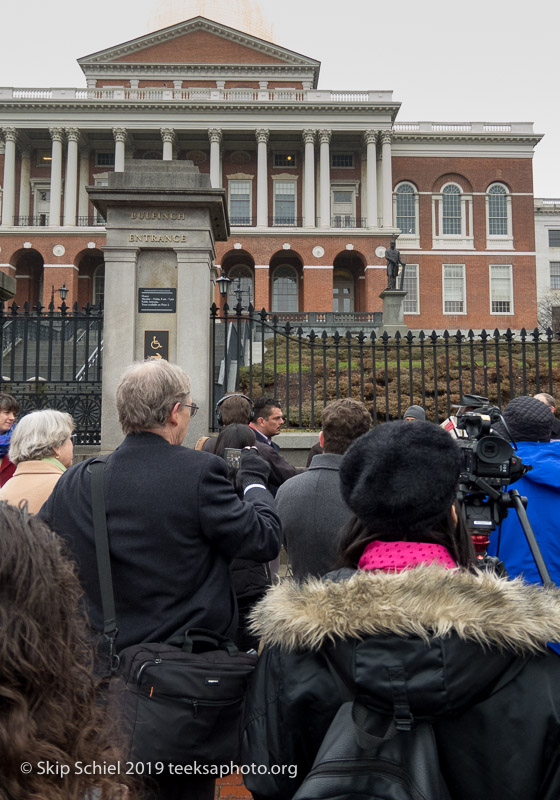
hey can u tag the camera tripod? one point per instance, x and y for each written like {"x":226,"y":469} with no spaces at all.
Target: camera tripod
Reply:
{"x":485,"y":507}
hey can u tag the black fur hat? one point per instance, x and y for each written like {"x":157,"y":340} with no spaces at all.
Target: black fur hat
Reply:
{"x":401,"y":478}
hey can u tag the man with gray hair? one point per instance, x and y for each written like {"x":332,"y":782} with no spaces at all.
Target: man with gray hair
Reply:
{"x":174,"y":522}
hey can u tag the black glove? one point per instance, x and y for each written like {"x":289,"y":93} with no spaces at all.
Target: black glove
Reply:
{"x":253,"y":469}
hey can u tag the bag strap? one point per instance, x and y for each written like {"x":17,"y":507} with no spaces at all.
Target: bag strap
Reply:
{"x":201,"y":442}
{"x":402,"y":715}
{"x":110,"y":629}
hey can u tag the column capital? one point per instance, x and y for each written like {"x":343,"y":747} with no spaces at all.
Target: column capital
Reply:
{"x":57,"y":134}
{"x":386,"y":137}
{"x":73,"y":134}
{"x":370,"y":137}
{"x":262,"y":135}
{"x":215,"y":135}
{"x":10,"y":134}
{"x":325,"y":137}
{"x":167,"y":135}
{"x":120,"y":134}
{"x":308,"y":136}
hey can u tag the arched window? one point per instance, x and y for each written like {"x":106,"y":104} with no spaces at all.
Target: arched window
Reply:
{"x":497,"y":211}
{"x":99,"y":285}
{"x":406,"y":208}
{"x":285,"y":289}
{"x":242,"y":278}
{"x":451,"y":210}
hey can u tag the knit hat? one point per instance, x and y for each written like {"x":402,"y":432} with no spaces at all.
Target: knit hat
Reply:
{"x":417,"y":412}
{"x":401,"y":478}
{"x":528,"y":420}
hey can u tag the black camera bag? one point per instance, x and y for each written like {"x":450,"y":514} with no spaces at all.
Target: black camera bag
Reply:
{"x":175,"y":702}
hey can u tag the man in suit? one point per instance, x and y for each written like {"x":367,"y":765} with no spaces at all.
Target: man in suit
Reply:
{"x":267,"y":422}
{"x":310,"y":505}
{"x":174,"y":522}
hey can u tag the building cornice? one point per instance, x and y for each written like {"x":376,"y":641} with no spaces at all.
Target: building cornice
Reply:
{"x":140,"y":69}
{"x":500,"y":138}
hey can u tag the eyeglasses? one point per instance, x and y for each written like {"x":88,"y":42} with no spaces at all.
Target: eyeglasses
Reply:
{"x":73,"y":438}
{"x":193,"y":407}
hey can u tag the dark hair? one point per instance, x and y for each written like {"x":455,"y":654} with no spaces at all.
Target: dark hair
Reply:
{"x":343,"y":421}
{"x":8,"y":403}
{"x":263,"y":406}
{"x":355,"y":536}
{"x":236,"y":436}
{"x":49,"y":709}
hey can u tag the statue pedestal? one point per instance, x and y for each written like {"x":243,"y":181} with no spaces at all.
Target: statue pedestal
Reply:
{"x":393,"y":317}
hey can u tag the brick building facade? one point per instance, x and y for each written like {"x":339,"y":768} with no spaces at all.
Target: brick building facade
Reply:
{"x":318,"y":182}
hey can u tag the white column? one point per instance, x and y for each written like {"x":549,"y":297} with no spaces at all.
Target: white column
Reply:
{"x":57,"y":135}
{"x":9,"y":183}
{"x":325,"y":178}
{"x":262,"y":177}
{"x":120,"y":141}
{"x":83,"y":199}
{"x":24,"y":185}
{"x":370,"y":140}
{"x":387,"y":179}
{"x":168,"y":138}
{"x":71,"y":181}
{"x":215,"y":136}
{"x":309,"y":175}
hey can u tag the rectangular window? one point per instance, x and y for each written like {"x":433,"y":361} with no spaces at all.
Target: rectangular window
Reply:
{"x":342,"y":160}
{"x":104,"y":159}
{"x":454,"y":289}
{"x":411,"y":303}
{"x":284,"y":159}
{"x":501,"y":295}
{"x":284,"y":203}
{"x":554,"y":238}
{"x":555,"y":274}
{"x":240,"y":202}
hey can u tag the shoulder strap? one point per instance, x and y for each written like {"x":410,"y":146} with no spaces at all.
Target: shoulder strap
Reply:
{"x":110,"y":630}
{"x":201,"y":442}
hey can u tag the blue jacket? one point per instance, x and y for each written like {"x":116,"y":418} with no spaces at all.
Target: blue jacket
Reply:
{"x":541,"y":486}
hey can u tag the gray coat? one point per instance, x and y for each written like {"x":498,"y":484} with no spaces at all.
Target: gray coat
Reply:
{"x":313,"y":512}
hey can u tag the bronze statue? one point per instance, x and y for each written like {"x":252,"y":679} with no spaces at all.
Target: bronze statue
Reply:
{"x":393,"y":260}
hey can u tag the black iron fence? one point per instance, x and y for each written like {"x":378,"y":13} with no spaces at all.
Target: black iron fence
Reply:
{"x":52,"y":358}
{"x":256,"y":354}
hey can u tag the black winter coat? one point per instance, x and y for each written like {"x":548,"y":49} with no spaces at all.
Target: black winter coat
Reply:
{"x":473,"y":648}
{"x":175,"y":523}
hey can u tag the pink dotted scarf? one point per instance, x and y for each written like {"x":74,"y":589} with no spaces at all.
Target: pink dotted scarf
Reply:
{"x":391,"y":556}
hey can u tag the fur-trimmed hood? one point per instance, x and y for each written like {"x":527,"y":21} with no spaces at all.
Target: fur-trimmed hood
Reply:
{"x":456,"y":633}
{"x":425,"y":602}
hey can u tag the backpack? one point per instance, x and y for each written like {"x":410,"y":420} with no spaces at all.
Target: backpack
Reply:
{"x":368,"y":756}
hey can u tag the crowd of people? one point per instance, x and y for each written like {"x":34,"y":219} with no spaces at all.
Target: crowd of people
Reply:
{"x":383,"y":580}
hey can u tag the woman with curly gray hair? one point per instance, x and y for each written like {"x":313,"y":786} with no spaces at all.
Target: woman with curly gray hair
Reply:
{"x":42,"y":448}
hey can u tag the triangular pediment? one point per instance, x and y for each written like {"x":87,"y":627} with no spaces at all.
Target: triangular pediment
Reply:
{"x":198,"y":41}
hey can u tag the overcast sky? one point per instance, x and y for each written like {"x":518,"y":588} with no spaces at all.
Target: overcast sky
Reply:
{"x":483,"y":60}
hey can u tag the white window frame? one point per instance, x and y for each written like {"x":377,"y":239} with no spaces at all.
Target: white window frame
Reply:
{"x":284,"y":179}
{"x":510,"y":275}
{"x":464,"y":281}
{"x":104,"y":153}
{"x":96,"y":281}
{"x":344,"y":186}
{"x":285,"y":153}
{"x":342,"y":153}
{"x":462,"y":241}
{"x":40,"y":185}
{"x":407,"y":273}
{"x":248,"y":180}
{"x":554,"y":263}
{"x":552,"y":230}
{"x":247,"y":274}
{"x":503,"y":242}
{"x":408,"y":239}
